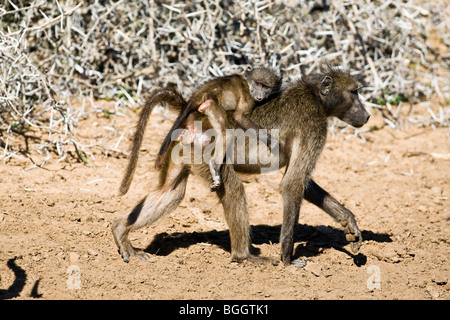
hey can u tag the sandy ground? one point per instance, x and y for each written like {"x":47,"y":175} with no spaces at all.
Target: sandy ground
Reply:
{"x":56,"y":241}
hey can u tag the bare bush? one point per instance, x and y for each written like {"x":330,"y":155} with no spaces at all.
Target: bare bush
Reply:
{"x":53,"y":53}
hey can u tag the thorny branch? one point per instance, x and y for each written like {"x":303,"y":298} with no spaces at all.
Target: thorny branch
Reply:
{"x":53,"y":53}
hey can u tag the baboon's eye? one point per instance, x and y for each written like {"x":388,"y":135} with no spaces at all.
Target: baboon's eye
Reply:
{"x":354,"y":92}
{"x":264,"y":87}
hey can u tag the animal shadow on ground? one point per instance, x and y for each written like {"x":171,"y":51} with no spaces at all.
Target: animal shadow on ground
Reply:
{"x":19,"y":282}
{"x":317,"y":238}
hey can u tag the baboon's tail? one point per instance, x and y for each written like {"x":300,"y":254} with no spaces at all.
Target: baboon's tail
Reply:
{"x":178,"y":121}
{"x":168,"y":95}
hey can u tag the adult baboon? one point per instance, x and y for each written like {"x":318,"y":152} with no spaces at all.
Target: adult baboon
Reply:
{"x":300,"y":114}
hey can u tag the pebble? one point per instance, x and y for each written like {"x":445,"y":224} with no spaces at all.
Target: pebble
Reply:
{"x":440,"y":279}
{"x":314,"y":268}
{"x":436,"y":190}
{"x":73,"y":257}
{"x":433,"y":292}
{"x":92,"y":252}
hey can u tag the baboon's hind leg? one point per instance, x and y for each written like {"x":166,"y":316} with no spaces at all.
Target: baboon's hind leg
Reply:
{"x":158,"y":203}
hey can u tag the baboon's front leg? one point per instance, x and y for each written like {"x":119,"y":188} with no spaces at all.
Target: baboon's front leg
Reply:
{"x":292,"y":193}
{"x":318,"y":196}
{"x":293,"y":186}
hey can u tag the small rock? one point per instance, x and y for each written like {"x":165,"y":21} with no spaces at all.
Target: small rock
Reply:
{"x":391,"y":255}
{"x":92,"y":252}
{"x":87,"y":219}
{"x":433,"y":292}
{"x":73,"y":257}
{"x":440,"y":279}
{"x":446,"y":286}
{"x":422,"y":208}
{"x":437,"y":191}
{"x":314,"y":268}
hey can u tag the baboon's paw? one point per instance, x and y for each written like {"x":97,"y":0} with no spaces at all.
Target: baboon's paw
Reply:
{"x":137,"y":253}
{"x":125,"y":257}
{"x":355,"y":240}
{"x":353,"y":234}
{"x":141,"y":254}
{"x":356,"y":245}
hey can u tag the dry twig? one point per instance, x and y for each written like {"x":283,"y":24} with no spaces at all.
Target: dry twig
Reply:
{"x":53,"y":51}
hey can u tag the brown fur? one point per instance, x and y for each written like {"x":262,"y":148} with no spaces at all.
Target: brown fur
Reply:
{"x":234,"y":92}
{"x":300,"y":113}
{"x":171,"y":97}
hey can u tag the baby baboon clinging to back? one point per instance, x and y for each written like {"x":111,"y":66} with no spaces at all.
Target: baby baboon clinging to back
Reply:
{"x":236,"y":93}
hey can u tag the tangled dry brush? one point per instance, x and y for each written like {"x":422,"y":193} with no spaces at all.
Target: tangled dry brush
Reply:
{"x":59,"y":58}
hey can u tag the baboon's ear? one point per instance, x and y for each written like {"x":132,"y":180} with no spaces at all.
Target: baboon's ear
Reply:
{"x":326,"y":85}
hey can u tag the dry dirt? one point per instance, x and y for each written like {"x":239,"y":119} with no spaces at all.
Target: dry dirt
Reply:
{"x":55,"y":222}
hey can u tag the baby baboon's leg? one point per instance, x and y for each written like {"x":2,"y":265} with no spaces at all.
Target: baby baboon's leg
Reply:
{"x":316,"y":195}
{"x":216,"y":175}
{"x":217,"y":118}
{"x":158,"y":203}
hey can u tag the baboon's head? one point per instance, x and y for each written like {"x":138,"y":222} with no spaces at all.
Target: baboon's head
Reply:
{"x":262,"y":82}
{"x":339,"y":93}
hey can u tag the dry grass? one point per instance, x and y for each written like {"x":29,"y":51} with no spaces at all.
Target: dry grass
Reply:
{"x":58,"y":58}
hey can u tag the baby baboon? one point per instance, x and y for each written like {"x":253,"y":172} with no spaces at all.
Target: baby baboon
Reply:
{"x":234,"y":92}
{"x":230,"y":93}
{"x":300,"y":114}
